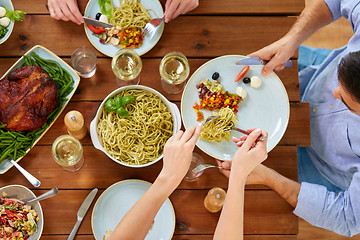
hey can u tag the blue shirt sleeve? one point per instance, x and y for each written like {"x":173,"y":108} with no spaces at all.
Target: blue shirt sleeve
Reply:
{"x":335,"y":8}
{"x":339,"y":213}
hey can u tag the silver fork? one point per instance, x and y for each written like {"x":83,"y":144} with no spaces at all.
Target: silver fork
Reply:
{"x":204,"y":166}
{"x":232,"y":127}
{"x":150,"y":27}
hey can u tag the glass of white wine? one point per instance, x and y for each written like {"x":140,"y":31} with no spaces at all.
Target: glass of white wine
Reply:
{"x":174,"y":70}
{"x":126,"y":65}
{"x":67,"y":151}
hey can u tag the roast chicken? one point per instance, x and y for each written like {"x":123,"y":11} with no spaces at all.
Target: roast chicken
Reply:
{"x":27,"y":96}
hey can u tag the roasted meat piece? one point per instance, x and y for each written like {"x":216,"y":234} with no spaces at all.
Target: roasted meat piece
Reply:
{"x":27,"y":96}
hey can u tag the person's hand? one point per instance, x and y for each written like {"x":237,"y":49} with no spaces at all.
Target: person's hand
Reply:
{"x":277,"y":54}
{"x":65,"y":10}
{"x":178,"y":154}
{"x":174,"y":8}
{"x":250,"y":154}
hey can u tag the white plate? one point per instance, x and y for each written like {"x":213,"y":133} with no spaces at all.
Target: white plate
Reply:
{"x":23,"y":193}
{"x":266,"y":107}
{"x":118,"y":199}
{"x":93,"y":8}
{"x":7,"y":3}
{"x":45,"y":54}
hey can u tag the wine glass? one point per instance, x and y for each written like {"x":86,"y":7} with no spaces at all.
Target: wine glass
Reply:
{"x":67,"y":151}
{"x":174,"y":70}
{"x":196,"y":161}
{"x":126,"y":65}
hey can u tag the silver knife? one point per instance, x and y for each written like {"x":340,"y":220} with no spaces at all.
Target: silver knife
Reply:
{"x":258,"y":61}
{"x":82,"y":211}
{"x":97,"y":23}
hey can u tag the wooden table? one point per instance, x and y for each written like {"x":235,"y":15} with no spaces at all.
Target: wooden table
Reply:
{"x":215,"y":28}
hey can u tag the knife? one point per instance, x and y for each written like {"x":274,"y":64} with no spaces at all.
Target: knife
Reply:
{"x":258,"y":61}
{"x":97,"y":23}
{"x":82,"y":211}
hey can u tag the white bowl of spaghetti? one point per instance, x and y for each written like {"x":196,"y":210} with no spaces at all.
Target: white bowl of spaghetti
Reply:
{"x":136,"y":141}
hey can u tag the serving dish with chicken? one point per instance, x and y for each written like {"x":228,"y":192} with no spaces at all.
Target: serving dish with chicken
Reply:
{"x":34,"y":91}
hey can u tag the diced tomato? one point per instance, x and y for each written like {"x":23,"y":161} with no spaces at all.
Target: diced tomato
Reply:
{"x":96,"y":29}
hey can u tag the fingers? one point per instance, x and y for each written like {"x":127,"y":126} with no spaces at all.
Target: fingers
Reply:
{"x":196,"y":134}
{"x":75,"y":12}
{"x":65,"y":10}
{"x":178,"y":135}
{"x":170,"y":9}
{"x":251,"y":139}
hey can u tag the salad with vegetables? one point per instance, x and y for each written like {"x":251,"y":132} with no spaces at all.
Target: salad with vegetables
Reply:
{"x":17,"y":220}
{"x":6,"y":16}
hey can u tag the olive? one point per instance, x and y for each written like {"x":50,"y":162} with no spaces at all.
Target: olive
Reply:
{"x":215,"y":76}
{"x":97,"y":17}
{"x":246,"y":80}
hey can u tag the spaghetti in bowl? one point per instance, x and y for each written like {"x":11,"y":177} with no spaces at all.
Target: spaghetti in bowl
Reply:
{"x":136,"y":141}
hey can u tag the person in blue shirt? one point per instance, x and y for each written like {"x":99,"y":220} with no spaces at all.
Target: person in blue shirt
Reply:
{"x":328,"y":192}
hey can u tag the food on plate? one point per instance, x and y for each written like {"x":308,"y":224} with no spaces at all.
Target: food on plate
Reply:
{"x":212,"y":97}
{"x":241,"y":92}
{"x":28,"y":96}
{"x":6,"y":16}
{"x":255,"y":82}
{"x":108,"y":234}
{"x":215,"y":76}
{"x":242,"y":73}
{"x":214,"y":130}
{"x":128,"y":20}
{"x":17,"y":220}
{"x":141,"y":137}
{"x":14,"y":145}
{"x":246,"y":80}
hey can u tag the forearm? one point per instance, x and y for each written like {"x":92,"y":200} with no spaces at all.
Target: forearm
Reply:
{"x":137,"y":222}
{"x":285,"y":187}
{"x":315,"y":15}
{"x":230,"y":225}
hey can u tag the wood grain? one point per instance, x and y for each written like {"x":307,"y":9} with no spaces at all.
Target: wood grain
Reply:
{"x":263,"y":7}
{"x":265,"y":213}
{"x":215,"y":36}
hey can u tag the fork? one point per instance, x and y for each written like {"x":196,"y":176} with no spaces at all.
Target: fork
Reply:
{"x":232,"y":127}
{"x":202,"y":167}
{"x":150,"y":27}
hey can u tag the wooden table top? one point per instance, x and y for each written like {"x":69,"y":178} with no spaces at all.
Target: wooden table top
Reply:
{"x":215,"y":28}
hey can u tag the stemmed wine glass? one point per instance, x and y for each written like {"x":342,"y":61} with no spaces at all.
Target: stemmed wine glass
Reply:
{"x":126,"y":65}
{"x":174,"y":70}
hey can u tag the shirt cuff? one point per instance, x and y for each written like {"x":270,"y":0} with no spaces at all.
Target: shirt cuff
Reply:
{"x":310,"y":203}
{"x":335,"y":8}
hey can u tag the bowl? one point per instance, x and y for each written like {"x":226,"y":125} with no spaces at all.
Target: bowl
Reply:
{"x":23,"y":193}
{"x":7,"y":3}
{"x":174,"y":110}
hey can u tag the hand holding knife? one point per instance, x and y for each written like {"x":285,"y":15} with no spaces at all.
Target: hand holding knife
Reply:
{"x":82,"y":211}
{"x":258,"y":61}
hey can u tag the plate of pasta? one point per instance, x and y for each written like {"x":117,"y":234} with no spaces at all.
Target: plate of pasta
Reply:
{"x":128,"y":18}
{"x":266,"y":106}
{"x":133,"y":124}
{"x":122,"y":196}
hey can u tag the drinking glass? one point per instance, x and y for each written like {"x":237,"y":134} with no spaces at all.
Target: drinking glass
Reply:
{"x":126,"y":65}
{"x":83,"y":61}
{"x":67,"y":151}
{"x":174,"y":70}
{"x":196,"y":161}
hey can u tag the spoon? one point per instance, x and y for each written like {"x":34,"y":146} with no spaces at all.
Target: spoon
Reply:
{"x":34,"y":181}
{"x":48,"y":194}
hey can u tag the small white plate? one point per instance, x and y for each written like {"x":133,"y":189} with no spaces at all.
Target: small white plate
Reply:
{"x":7,"y":3}
{"x":108,"y":49}
{"x":45,"y":54}
{"x":23,"y":193}
{"x":117,"y":200}
{"x":266,"y":107}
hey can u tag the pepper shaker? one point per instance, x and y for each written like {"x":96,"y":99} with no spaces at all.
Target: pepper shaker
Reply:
{"x":74,"y":122}
{"x":214,"y":200}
